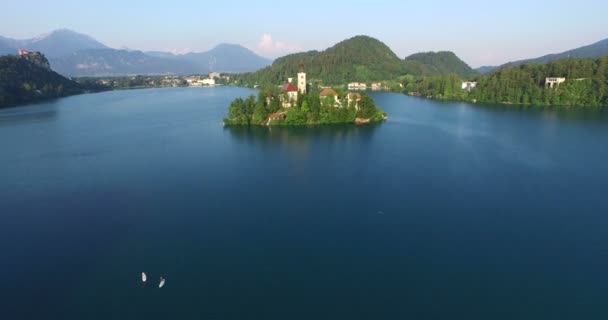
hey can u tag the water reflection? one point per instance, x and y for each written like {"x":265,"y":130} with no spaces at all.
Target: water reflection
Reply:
{"x":40,"y":112}
{"x":301,"y":136}
{"x":561,"y":113}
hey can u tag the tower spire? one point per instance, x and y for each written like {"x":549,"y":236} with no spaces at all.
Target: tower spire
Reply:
{"x":301,"y":79}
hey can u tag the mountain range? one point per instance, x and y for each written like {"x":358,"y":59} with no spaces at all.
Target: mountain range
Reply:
{"x":361,"y":59}
{"x":53,"y":45}
{"x":596,"y":50}
{"x":74,"y":54}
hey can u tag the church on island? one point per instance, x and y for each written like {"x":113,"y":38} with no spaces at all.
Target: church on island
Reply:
{"x":291,"y":91}
{"x":298,"y":103}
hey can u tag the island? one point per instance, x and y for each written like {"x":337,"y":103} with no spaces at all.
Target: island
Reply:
{"x":301,"y":104}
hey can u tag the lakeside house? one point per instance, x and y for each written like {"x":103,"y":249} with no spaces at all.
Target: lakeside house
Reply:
{"x":553,"y":81}
{"x":468,"y":85}
{"x":377,"y":86}
{"x":328,"y":92}
{"x":277,"y":116}
{"x":357,"y":86}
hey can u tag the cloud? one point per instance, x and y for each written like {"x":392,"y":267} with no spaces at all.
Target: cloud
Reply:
{"x":267,"y":45}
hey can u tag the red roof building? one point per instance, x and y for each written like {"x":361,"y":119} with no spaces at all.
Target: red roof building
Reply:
{"x":277,"y":116}
{"x":289,"y":87}
{"x":328,"y":91}
{"x":23,"y":52}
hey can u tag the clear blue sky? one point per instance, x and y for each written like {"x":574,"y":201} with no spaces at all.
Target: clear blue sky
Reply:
{"x":480,"y":32}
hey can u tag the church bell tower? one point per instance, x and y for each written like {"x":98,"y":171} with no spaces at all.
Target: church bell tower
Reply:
{"x":302,"y":80}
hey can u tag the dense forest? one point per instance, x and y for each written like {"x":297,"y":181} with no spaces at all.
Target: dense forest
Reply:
{"x":359,"y":59}
{"x":29,"y":78}
{"x":585,"y":85}
{"x":437,"y":64}
{"x":308,"y":109}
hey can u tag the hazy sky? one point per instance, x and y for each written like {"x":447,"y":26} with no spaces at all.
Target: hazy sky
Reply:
{"x":480,"y":32}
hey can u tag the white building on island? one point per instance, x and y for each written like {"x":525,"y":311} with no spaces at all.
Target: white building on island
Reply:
{"x":291,"y":95}
{"x":302,"y":81}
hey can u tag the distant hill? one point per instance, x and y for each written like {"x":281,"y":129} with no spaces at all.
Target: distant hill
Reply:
{"x":596,"y":50}
{"x":28,"y":78}
{"x":231,"y":58}
{"x":55,"y":44}
{"x":485,"y":69}
{"x":360,"y":58}
{"x":438,"y":63}
{"x":112,"y":62}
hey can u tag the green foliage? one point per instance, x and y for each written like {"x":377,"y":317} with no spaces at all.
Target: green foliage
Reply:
{"x":367,"y":108}
{"x":585,"y":84}
{"x":445,"y":87}
{"x":438,"y":63}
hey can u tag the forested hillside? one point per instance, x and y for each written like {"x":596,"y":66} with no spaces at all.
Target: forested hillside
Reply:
{"x":585,"y":85}
{"x":28,"y":78}
{"x":359,"y":59}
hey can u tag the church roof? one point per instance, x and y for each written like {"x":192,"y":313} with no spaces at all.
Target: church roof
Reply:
{"x":289,"y":87}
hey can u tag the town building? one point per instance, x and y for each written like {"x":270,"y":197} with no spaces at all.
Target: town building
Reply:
{"x":357,"y":86}
{"x":550,"y":82}
{"x":196,"y":81}
{"x":208,"y":82}
{"x":214,"y":75}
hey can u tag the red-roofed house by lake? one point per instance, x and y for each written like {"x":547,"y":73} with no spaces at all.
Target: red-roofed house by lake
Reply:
{"x":328,"y":92}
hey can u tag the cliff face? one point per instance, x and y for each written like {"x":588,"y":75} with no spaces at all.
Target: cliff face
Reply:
{"x":28,"y":77}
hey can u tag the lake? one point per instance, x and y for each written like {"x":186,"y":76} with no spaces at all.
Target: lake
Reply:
{"x":445,"y":211}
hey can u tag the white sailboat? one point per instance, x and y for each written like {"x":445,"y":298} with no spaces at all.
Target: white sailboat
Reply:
{"x":162,"y":282}
{"x":143,"y":277}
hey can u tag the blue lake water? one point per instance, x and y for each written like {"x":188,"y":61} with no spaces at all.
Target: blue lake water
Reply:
{"x":446,"y":211}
